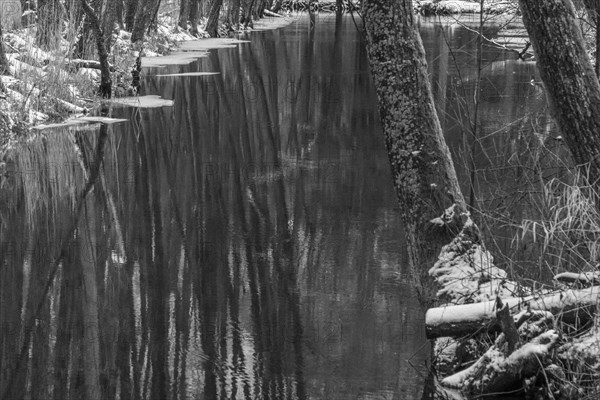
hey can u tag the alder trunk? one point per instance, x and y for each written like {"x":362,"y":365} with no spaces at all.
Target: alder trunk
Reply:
{"x":572,"y":87}
{"x":422,"y":170}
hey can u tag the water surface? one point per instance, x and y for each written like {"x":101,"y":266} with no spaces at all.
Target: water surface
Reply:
{"x":245,"y":243}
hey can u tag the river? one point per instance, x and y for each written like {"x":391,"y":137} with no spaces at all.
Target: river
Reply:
{"x":245,"y":242}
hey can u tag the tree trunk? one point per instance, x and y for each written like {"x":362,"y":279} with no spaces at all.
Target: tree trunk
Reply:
{"x":234,"y":14}
{"x":108,"y":21}
{"x":130,"y":11}
{"x":194,"y":8}
{"x":184,"y":13}
{"x":573,"y":306}
{"x":212,"y":24}
{"x":572,"y":87}
{"x":422,"y":170}
{"x":143,"y":17}
{"x":105,"y":78}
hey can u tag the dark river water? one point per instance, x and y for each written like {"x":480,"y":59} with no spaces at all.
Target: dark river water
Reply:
{"x":242,"y":244}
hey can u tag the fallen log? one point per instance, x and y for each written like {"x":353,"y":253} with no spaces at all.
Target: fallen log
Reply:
{"x":496,"y":371}
{"x":574,"y":307}
{"x":79,"y":63}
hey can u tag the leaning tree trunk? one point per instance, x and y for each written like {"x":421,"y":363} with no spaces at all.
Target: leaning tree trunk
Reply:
{"x":105,"y":78}
{"x":212,"y":24}
{"x":422,"y":170}
{"x":572,"y":87}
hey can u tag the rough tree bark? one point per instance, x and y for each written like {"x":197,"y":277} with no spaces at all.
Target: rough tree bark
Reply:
{"x":105,"y":89}
{"x":568,"y":76}
{"x":422,"y":170}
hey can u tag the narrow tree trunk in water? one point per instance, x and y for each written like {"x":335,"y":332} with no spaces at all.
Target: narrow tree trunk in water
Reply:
{"x":422,"y":170}
{"x":572,"y":87}
{"x":212,"y":24}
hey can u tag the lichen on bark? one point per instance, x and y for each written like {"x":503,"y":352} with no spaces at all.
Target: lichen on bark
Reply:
{"x":423,"y":173}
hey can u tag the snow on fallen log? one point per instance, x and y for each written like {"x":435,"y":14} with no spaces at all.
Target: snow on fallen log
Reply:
{"x":79,"y":63}
{"x":584,"y":278}
{"x":70,"y":107}
{"x":497,"y":372}
{"x":19,"y":68}
{"x":430,"y":7}
{"x":271,"y":13}
{"x":27,"y":47}
{"x":573,"y":306}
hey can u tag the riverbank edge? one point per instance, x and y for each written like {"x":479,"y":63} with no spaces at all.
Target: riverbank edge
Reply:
{"x":22,"y":109}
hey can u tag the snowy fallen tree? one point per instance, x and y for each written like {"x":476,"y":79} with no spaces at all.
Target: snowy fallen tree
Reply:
{"x":574,"y":307}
